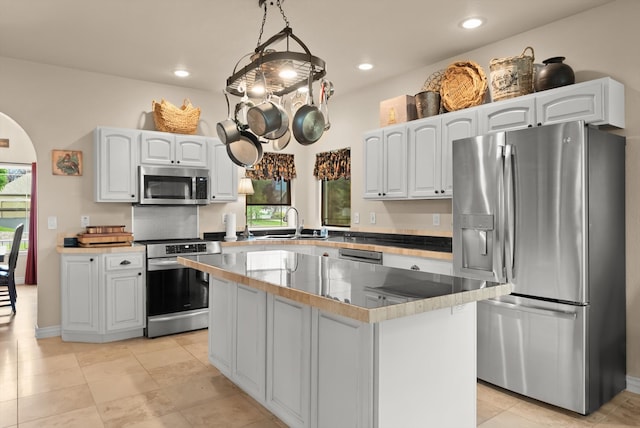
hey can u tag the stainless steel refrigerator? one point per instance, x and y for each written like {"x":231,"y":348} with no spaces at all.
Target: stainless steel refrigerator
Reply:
{"x":543,"y":208}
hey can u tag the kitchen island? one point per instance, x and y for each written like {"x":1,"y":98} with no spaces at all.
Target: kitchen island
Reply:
{"x":324,"y":342}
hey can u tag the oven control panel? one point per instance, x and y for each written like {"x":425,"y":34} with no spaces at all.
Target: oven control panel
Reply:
{"x":185,"y":248}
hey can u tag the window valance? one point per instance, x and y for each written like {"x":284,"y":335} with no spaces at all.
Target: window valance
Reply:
{"x":333,"y":165}
{"x":273,"y":166}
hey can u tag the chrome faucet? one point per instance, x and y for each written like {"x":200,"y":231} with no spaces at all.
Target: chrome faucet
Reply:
{"x":298,"y":226}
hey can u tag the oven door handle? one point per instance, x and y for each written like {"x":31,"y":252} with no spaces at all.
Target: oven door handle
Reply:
{"x":164,"y":264}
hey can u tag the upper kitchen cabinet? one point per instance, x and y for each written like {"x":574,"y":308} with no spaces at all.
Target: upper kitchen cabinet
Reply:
{"x":456,"y":125}
{"x":598,"y":102}
{"x":224,"y":173}
{"x":161,"y":148}
{"x":116,"y":163}
{"x":507,"y":115}
{"x":385,"y":163}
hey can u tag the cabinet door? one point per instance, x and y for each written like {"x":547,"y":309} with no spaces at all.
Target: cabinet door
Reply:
{"x":373,"y":164}
{"x":191,"y":151}
{"x":583,"y":101}
{"x":116,"y":165}
{"x":221,"y":324}
{"x":288,"y":360}
{"x":224,"y":173}
{"x":79,"y":293}
{"x":507,"y":115}
{"x":394,"y":160}
{"x":124,"y":300}
{"x":455,"y":125}
{"x":424,"y":158}
{"x":157,"y":148}
{"x":250,"y":340}
{"x":342,"y":372}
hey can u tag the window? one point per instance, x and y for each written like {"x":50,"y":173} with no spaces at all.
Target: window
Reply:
{"x":336,"y":202}
{"x":269,"y":203}
{"x":15,"y":203}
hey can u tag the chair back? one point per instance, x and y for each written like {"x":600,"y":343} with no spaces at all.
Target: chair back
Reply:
{"x":15,"y":247}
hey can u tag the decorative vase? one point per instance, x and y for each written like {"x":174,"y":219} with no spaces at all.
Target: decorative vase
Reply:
{"x":554,"y":74}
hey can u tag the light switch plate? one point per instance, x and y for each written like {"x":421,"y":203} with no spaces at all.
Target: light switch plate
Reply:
{"x":84,"y":221}
{"x":356,"y":218}
{"x":372,"y":217}
{"x":436,"y":219}
{"x":52,"y":222}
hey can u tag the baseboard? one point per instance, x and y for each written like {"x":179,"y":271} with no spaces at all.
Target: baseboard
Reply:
{"x":633,"y":384}
{"x":44,"y":332}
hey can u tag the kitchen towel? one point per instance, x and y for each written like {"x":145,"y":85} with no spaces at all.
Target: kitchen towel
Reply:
{"x":230,"y":221}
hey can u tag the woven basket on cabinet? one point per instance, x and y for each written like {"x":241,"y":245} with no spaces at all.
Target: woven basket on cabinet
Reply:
{"x":464,"y":85}
{"x":180,"y":120}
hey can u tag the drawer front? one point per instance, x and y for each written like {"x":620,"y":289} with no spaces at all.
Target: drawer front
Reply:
{"x":124,"y":261}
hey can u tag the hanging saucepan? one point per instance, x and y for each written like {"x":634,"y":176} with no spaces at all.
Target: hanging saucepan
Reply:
{"x":308,"y":122}
{"x":241,"y":111}
{"x":245,"y":152}
{"x":282,"y":142}
{"x":228,"y":129}
{"x":284,"y":124}
{"x":264,"y":118}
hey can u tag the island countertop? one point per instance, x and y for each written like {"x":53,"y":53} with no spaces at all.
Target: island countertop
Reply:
{"x":344,"y":287}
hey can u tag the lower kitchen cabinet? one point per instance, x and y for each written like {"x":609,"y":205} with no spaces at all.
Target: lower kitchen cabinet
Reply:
{"x":102,"y":296}
{"x":289,"y":360}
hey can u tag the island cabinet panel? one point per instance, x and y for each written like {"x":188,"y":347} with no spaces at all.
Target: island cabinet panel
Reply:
{"x":342,"y":372}
{"x":435,"y":353}
{"x":221,"y":324}
{"x":249,"y":340}
{"x":289,"y":360}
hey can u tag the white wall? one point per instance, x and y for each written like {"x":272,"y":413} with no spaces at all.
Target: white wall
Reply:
{"x":59,"y":109}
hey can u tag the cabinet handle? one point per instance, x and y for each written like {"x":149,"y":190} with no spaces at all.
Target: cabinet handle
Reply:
{"x":415,"y":267}
{"x":379,"y":194}
{"x":125,"y":262}
{"x":442,"y":191}
{"x":325,"y":254}
{"x":213,"y":196}
{"x":139,"y":273}
{"x":133,"y":196}
{"x":91,"y":259}
{"x":437,"y":192}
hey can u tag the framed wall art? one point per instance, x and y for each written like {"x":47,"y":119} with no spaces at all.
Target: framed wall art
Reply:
{"x":4,"y":142}
{"x":66,"y":162}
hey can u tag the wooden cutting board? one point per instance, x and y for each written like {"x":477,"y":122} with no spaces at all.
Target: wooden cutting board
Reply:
{"x":102,"y":238}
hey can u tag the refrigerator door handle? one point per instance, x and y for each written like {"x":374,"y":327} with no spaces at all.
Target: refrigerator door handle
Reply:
{"x":532,"y":310}
{"x":509,"y":190}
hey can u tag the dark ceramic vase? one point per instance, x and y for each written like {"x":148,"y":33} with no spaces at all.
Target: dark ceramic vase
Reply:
{"x":554,"y":74}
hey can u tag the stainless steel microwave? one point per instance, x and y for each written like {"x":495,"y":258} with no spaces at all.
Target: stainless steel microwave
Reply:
{"x":173,"y":186}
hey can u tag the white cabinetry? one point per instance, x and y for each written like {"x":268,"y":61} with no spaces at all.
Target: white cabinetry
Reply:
{"x":116,"y":165}
{"x":385,"y":163}
{"x":102,"y":296}
{"x":124,"y":292}
{"x":223,"y":183}
{"x":289,"y":360}
{"x":221,"y":323}
{"x":80,"y":294}
{"x":444,"y":267}
{"x":599,"y":102}
{"x":162,"y":148}
{"x":516,"y":113}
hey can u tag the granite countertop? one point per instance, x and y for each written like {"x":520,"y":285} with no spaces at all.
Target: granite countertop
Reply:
{"x":340,"y":242}
{"x":345,"y":287}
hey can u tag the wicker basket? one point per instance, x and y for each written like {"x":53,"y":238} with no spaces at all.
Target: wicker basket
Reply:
{"x":511,"y":76}
{"x":433,"y":82}
{"x":169,"y":118}
{"x":464,"y":85}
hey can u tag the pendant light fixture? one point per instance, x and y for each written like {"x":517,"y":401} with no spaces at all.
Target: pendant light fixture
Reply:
{"x":279,"y":71}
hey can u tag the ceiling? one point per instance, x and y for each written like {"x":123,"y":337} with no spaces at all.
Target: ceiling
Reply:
{"x":148,"y":39}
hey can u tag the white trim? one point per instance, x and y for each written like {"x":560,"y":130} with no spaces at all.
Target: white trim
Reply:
{"x":633,"y":384}
{"x":44,"y":332}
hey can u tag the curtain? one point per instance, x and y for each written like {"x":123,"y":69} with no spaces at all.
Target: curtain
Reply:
{"x":333,"y":165}
{"x":273,"y":166}
{"x":31,"y":274}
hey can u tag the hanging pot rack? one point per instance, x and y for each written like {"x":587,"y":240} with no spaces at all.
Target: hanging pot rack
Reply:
{"x":267,"y":62}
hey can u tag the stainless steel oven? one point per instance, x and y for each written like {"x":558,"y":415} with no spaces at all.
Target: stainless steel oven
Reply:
{"x":177,"y":296}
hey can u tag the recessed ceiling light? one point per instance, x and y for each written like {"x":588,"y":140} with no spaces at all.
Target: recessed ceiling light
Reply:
{"x":365,"y":66}
{"x":181,"y":73}
{"x":471,"y":23}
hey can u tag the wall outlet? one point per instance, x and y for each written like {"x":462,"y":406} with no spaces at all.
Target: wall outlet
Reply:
{"x":436,"y":219}
{"x":356,"y":218}
{"x":84,"y":221}
{"x":372,"y":217}
{"x":52,"y":222}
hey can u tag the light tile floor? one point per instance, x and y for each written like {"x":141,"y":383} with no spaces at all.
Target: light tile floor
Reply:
{"x":168,"y":382}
